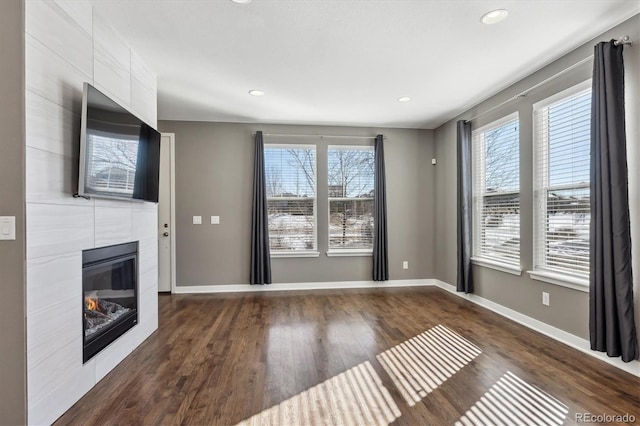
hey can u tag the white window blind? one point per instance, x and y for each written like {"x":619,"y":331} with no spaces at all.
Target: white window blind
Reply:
{"x":496,"y":191}
{"x":351,"y":181}
{"x":290,"y":175}
{"x":562,"y":126}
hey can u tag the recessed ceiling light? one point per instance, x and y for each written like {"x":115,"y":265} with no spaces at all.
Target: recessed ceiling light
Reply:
{"x":241,"y":1}
{"x":494,"y":16}
{"x":404,"y":99}
{"x":256,"y":92}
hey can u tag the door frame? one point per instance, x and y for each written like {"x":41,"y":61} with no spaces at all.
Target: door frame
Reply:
{"x":172,"y":208}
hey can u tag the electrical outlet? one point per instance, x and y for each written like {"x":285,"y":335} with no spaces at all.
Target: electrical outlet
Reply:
{"x":545,"y":298}
{"x":405,"y":264}
{"x":197,"y":220}
{"x":215,"y":220}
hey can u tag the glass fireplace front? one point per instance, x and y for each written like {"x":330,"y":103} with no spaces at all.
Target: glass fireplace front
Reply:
{"x":110,"y":295}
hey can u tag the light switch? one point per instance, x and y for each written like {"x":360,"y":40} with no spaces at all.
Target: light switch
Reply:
{"x":7,"y":227}
{"x":215,"y":220}
{"x":197,"y":220}
{"x":433,"y":161}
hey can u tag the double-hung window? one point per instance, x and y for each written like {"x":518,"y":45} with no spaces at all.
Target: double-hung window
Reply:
{"x":350,"y":192}
{"x":561,"y":183}
{"x":496,"y":193}
{"x":290,"y":177}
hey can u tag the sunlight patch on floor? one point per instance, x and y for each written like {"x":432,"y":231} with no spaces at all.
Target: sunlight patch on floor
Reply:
{"x":512,"y":401}
{"x":355,"y":397}
{"x":422,"y":363}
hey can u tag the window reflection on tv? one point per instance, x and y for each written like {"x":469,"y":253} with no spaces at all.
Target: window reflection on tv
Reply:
{"x":119,"y":153}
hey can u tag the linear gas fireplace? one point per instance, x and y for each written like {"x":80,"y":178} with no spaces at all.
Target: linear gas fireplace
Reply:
{"x":110,"y":295}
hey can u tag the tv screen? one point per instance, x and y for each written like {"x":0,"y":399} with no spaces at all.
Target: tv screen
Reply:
{"x":119,"y":153}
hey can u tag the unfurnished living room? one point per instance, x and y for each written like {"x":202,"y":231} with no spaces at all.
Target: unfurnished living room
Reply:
{"x":319,"y":212}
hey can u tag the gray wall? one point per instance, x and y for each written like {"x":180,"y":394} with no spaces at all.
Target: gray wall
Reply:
{"x":12,"y":253}
{"x":568,"y":309}
{"x":214,"y":172}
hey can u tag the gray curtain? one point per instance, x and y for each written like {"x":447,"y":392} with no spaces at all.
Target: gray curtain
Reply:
{"x":611,"y":320}
{"x":260,"y":255}
{"x":380,"y":251}
{"x":465,"y":280}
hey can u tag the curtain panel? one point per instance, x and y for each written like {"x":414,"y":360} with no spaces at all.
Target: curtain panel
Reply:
{"x":380,"y":250}
{"x":611,"y":317}
{"x":260,"y":254}
{"x":464,"y":230}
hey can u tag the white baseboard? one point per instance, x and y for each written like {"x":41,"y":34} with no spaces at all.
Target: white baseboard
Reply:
{"x":562,"y":336}
{"x":234,"y":288}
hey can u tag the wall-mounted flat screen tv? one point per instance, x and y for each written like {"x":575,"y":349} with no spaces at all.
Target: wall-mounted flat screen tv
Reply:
{"x":119,"y":153}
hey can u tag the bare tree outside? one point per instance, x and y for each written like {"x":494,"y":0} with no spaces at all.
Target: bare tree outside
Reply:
{"x":350,"y":178}
{"x":290,"y":175}
{"x":502,"y":158}
{"x":499,"y":202}
{"x":113,"y":163}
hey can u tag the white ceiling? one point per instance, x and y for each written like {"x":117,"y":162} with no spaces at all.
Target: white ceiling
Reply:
{"x":346,"y":62}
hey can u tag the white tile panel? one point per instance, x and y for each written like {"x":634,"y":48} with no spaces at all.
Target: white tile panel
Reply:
{"x":51,"y":25}
{"x":57,"y":229}
{"x":145,"y":222}
{"x":47,"y":375}
{"x":70,"y":381}
{"x":148,"y":264}
{"x":113,"y":225}
{"x":53,"y":279}
{"x":112,"y":62}
{"x":52,"y":328}
{"x":80,"y":11}
{"x":113,"y":354}
{"x":53,"y":78}
{"x":50,"y":127}
{"x":107,"y":202}
{"x":143,"y":91}
{"x":52,"y":178}
{"x":147,"y":317}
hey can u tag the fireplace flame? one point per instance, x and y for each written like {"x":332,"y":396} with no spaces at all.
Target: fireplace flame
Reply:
{"x":91,"y":304}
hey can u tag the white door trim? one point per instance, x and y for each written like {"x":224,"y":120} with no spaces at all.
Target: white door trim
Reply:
{"x":172,"y":207}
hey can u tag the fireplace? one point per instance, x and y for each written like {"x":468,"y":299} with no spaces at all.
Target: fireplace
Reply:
{"x":110,"y":295}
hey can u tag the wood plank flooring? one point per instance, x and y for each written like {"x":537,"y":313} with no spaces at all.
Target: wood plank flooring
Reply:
{"x":406,"y":356}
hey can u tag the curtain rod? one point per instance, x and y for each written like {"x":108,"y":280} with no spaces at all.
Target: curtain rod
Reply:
{"x":622,"y":40}
{"x":318,"y":136}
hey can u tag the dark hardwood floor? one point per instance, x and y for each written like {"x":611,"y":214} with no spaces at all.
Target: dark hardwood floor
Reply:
{"x":407,"y":356}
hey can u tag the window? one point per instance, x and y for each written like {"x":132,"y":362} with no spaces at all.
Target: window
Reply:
{"x":496,"y":192}
{"x":290,"y":178}
{"x":351,"y":181}
{"x":562,"y":134}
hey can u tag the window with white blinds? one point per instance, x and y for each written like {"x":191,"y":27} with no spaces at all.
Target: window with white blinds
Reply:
{"x":562,"y":131}
{"x":351,"y":180}
{"x":496,"y":191}
{"x":290,"y":176}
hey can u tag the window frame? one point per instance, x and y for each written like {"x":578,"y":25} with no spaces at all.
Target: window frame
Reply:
{"x":478,"y":258}
{"x":541,"y":271}
{"x":336,"y":252}
{"x":297,"y":253}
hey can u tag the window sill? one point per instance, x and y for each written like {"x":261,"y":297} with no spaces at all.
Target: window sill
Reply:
{"x":502,"y":267}
{"x":346,"y":253}
{"x":563,"y":280}
{"x":287,"y":254}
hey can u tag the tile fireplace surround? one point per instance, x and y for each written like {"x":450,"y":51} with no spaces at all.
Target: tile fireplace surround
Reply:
{"x":67,"y":44}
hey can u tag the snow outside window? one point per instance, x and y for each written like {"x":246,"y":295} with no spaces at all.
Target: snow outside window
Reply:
{"x":290,"y":175}
{"x":496,"y":192}
{"x":561,"y":182}
{"x":351,"y":181}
